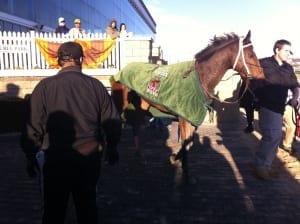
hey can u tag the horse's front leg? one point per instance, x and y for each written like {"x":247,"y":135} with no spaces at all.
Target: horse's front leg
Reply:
{"x":185,"y":132}
{"x":180,"y":159}
{"x":187,"y":139}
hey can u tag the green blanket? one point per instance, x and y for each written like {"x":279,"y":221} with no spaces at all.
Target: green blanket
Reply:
{"x":167,"y":86}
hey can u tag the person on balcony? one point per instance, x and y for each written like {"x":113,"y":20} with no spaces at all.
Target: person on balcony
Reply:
{"x":112,"y":30}
{"x":77,"y":30}
{"x":123,"y":31}
{"x":61,"y":28}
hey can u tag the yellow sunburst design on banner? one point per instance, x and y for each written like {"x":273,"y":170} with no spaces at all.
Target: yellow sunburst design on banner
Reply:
{"x":95,"y":51}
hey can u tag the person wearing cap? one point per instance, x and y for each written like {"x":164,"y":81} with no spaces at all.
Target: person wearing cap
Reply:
{"x":73,"y":119}
{"x":77,"y":30}
{"x":61,"y":28}
{"x":112,"y":30}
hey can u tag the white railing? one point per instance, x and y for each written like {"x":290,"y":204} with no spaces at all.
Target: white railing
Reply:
{"x":19,"y":51}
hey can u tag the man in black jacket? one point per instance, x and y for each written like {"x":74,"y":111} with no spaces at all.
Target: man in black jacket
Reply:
{"x":73,"y":119}
{"x":272,"y":93}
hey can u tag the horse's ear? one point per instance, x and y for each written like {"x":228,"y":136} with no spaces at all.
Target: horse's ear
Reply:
{"x":248,"y":36}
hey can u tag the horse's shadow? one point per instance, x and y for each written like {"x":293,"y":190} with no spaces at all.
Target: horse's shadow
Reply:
{"x":223,"y":189}
{"x":212,"y":185}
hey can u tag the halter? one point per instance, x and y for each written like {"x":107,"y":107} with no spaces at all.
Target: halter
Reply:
{"x":241,"y":52}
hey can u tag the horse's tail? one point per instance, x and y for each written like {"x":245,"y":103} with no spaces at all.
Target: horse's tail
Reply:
{"x":117,"y":95}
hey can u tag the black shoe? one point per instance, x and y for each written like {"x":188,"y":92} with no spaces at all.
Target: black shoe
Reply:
{"x":249,"y":129}
{"x":262,"y":174}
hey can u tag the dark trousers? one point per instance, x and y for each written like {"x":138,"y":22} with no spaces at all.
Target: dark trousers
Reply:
{"x":70,"y":173}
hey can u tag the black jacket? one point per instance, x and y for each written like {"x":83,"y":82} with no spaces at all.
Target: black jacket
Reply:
{"x":272,"y":91}
{"x":69,"y":109}
{"x":62,"y":29}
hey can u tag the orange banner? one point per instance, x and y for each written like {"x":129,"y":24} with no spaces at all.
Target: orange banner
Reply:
{"x":95,"y":51}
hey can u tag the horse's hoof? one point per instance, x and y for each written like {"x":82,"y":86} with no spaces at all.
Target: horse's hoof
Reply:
{"x":174,"y":160}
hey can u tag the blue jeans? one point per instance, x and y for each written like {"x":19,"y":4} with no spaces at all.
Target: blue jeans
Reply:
{"x":270,"y":124}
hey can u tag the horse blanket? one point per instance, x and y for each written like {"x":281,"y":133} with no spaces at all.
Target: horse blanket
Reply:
{"x":168,"y":86}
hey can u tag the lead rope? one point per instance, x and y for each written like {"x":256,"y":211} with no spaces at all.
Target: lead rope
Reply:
{"x":295,"y":115}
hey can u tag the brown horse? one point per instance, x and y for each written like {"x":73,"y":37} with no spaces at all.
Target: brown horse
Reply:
{"x":225,"y":52}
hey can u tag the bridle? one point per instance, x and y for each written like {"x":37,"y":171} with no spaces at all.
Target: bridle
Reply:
{"x":241,"y":53}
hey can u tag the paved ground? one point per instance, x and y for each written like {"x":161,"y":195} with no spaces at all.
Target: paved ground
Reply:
{"x":223,"y":188}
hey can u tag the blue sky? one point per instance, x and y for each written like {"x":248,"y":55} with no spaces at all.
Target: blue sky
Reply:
{"x":197,"y":21}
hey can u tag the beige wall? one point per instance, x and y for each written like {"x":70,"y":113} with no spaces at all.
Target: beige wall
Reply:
{"x":20,"y":86}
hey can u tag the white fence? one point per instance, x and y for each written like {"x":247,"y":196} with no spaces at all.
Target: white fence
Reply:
{"x":19,"y":51}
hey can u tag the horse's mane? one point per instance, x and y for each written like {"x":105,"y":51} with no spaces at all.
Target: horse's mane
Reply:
{"x":215,"y":44}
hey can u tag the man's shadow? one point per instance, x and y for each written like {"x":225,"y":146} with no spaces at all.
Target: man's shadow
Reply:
{"x":12,"y":91}
{"x":60,"y":129}
{"x":12,"y":109}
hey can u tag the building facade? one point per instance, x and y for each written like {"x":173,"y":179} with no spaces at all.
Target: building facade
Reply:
{"x":95,"y":15}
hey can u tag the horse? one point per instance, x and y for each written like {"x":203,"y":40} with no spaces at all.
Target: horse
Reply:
{"x":225,"y":52}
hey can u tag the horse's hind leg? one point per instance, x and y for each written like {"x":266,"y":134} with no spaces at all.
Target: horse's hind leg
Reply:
{"x":173,"y":141}
{"x":187,"y":137}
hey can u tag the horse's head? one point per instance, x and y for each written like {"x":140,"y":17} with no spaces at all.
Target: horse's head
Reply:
{"x":246,"y":61}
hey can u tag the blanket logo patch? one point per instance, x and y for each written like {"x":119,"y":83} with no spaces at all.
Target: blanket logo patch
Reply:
{"x":154,"y":85}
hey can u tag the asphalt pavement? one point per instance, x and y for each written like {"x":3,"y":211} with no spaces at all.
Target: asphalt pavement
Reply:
{"x":149,"y":190}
